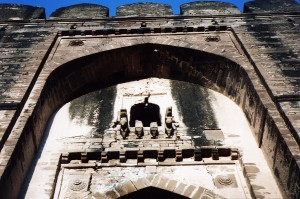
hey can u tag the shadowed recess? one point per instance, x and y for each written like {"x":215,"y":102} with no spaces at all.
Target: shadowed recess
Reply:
{"x":152,"y":192}
{"x":193,"y":104}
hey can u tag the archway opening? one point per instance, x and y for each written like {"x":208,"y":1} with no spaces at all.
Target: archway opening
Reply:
{"x":152,"y":192}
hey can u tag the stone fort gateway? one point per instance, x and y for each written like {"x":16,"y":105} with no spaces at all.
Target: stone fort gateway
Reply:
{"x":148,"y":104}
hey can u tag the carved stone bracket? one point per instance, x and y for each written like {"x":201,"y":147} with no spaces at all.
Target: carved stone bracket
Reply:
{"x":213,"y":39}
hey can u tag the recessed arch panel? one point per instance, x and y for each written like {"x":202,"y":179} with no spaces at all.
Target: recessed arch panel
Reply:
{"x":93,"y":72}
{"x":89,"y":73}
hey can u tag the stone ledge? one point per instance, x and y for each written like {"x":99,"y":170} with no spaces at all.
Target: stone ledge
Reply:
{"x":114,"y":163}
{"x":159,"y":154}
{"x":141,"y":30}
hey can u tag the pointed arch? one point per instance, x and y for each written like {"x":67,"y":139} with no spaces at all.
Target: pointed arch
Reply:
{"x":159,"y":186}
{"x":60,"y":82}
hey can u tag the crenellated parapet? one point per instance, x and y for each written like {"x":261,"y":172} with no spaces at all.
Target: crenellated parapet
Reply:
{"x":146,"y":9}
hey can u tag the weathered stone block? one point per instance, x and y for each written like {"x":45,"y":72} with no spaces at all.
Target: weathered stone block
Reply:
{"x":144,"y":9}
{"x":188,"y":192}
{"x":198,"y":193}
{"x":80,"y":11}
{"x":163,"y":183}
{"x":140,"y":183}
{"x":20,"y":12}
{"x":171,"y":185}
{"x":129,"y":187}
{"x":208,"y":8}
{"x":263,"y":6}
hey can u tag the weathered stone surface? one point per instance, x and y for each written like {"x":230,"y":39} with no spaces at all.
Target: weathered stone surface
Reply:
{"x":256,"y":64}
{"x":291,"y":110}
{"x":5,"y":119}
{"x":261,"y":6}
{"x":198,"y":193}
{"x":80,"y":11}
{"x":21,"y":51}
{"x":276,"y":58}
{"x":189,"y":191}
{"x":144,"y":9}
{"x":180,"y":188}
{"x":20,"y":12}
{"x":208,"y":8}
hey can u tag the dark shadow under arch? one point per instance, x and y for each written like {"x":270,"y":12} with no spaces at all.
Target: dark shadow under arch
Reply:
{"x":104,"y":69}
{"x":145,"y":113}
{"x":152,"y":193}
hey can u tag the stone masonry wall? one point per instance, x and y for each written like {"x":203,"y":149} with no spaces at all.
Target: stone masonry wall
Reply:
{"x":23,"y":48}
{"x":269,"y":43}
{"x":262,"y":76}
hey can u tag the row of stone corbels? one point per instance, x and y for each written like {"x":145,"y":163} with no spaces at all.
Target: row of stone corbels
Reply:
{"x":143,"y":30}
{"x":159,"y":154}
{"x":94,"y":11}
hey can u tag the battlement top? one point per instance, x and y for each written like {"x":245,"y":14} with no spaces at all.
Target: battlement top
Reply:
{"x":208,"y":8}
{"x":20,"y":12}
{"x":81,"y":11}
{"x":144,"y":9}
{"x":262,"y":6}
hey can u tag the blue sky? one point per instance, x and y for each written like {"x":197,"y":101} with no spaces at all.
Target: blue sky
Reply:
{"x":52,"y":5}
